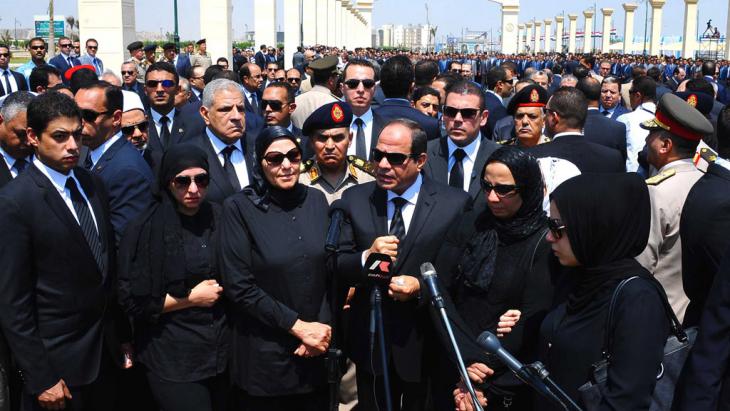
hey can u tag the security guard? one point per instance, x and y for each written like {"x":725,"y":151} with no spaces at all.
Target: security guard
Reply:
{"x":674,"y":134}
{"x":528,"y":110}
{"x":324,"y":82}
{"x":331,"y":170}
{"x":137,"y":57}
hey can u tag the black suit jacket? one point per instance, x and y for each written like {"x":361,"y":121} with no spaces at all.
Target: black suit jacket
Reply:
{"x":504,"y":129}
{"x":54,"y":296}
{"x":5,"y":176}
{"x":587,"y":156}
{"x":19,"y":79}
{"x":176,"y":134}
{"x":378,"y":124}
{"x":406,"y":323}
{"x":220,"y":188}
{"x":497,"y":111}
{"x":399,"y":108}
{"x":602,"y":130}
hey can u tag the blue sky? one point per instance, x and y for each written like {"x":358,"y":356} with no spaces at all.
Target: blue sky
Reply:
{"x":451,"y":16}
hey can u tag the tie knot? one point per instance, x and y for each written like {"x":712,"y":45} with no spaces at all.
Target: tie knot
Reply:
{"x":20,"y":164}
{"x":228,"y":150}
{"x":358,"y":122}
{"x":71,"y":184}
{"x":164,"y":120}
{"x":399,"y":202}
{"x":459,"y":154}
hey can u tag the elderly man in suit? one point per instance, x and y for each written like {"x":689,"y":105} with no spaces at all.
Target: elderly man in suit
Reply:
{"x":10,"y":81}
{"x":405,"y":215}
{"x":58,"y":300}
{"x":64,"y":60}
{"x":92,"y":46}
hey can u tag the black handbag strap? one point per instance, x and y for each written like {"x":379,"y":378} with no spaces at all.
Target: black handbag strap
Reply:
{"x":676,"y":326}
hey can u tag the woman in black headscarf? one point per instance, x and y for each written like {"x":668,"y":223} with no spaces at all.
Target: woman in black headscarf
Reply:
{"x":168,"y":284}
{"x":503,"y":262}
{"x":598,"y":224}
{"x":272,"y":262}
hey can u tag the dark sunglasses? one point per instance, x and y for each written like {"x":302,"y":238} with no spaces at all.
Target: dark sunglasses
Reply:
{"x":502,"y":190}
{"x":90,"y":116}
{"x":129,"y":130}
{"x":37,"y":47}
{"x":4,"y":54}
{"x":275,"y":158}
{"x":466,"y":113}
{"x":65,"y":45}
{"x":276,"y":105}
{"x":280,"y":79}
{"x":354,"y":83}
{"x":127,"y":73}
{"x":92,"y":47}
{"x":183,"y":182}
{"x":394,"y":159}
{"x":294,"y":79}
{"x":556,"y":227}
{"x":165,"y":83}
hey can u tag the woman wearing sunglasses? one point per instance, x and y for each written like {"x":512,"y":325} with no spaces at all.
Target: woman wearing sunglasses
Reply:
{"x":501,"y":261}
{"x":272,"y":263}
{"x":169,"y":285}
{"x":599,"y":224}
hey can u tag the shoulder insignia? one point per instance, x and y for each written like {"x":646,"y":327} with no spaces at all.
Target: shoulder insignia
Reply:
{"x":708,"y":155}
{"x":664,"y":175}
{"x":361,"y":164}
{"x":304,"y":166}
{"x":509,"y":142}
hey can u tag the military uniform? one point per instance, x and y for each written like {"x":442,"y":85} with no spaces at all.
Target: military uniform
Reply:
{"x":514,"y":141}
{"x":358,"y":171}
{"x":200,"y":59}
{"x":139,"y":64}
{"x":530,"y":96}
{"x":318,"y":96}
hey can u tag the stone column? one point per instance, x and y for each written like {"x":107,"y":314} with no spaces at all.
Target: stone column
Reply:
{"x":656,"y":26}
{"x":322,"y":24}
{"x":588,"y":31}
{"x":548,"y":45}
{"x":538,"y":34}
{"x":529,"y":45}
{"x":521,"y":38}
{"x":339,"y":15}
{"x":606,"y":29}
{"x":292,"y":34}
{"x":510,"y":21}
{"x":689,"y":45}
{"x":216,"y":27}
{"x":629,"y":8}
{"x":365,"y":8}
{"x":572,"y":28}
{"x":264,"y":18}
{"x":309,"y":22}
{"x":113,"y":32}
{"x":331,"y":23}
{"x":559,"y":34}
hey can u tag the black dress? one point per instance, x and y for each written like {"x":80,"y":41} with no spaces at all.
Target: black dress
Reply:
{"x":272,"y":263}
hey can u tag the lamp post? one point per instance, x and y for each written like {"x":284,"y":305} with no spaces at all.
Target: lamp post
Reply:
{"x":177,"y":35}
{"x":646,"y":22}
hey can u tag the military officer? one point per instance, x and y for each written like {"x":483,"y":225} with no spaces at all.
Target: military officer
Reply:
{"x":674,"y":134}
{"x":324,"y":83}
{"x":137,"y":57}
{"x":527,"y":108}
{"x":331,"y":170}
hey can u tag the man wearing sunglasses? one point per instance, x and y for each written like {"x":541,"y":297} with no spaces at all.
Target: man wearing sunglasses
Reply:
{"x":278,"y":104}
{"x":126,"y":176}
{"x":135,"y":125}
{"x":499,"y":88}
{"x":406,"y":216}
{"x":90,"y":58}
{"x":294,"y":78}
{"x":161,"y":86}
{"x":10,"y":81}
{"x":37,"y":49}
{"x":358,"y":89}
{"x":271,"y":68}
{"x":324,"y":81}
{"x":458,"y":158}
{"x":64,"y":60}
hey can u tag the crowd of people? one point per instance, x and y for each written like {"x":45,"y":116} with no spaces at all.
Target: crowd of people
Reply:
{"x":164,"y":228}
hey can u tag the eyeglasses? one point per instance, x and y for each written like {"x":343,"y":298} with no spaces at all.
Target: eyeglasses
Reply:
{"x":129,"y":130}
{"x":275,"y":158}
{"x":4,"y":54}
{"x":272,"y":69}
{"x":394,"y":159}
{"x":90,"y":116}
{"x":354,"y":83}
{"x":556,"y":227}
{"x":502,"y":190}
{"x":183,"y":182}
{"x":466,"y":113}
{"x":127,"y":73}
{"x":280,"y":79}
{"x":165,"y":83}
{"x":65,"y":45}
{"x":294,"y":79}
{"x":37,"y":47}
{"x":276,"y":105}
{"x":92,"y":47}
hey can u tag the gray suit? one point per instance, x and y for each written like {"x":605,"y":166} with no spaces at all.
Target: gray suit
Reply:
{"x":87,"y":59}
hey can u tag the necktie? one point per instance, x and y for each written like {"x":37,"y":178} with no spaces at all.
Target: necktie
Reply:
{"x":397,"y":225}
{"x":606,"y":113}
{"x":96,"y":65}
{"x":88,"y":164}
{"x":86,"y":221}
{"x":20,"y":165}
{"x":360,"y":149}
{"x":456,"y":176}
{"x":70,"y":62}
{"x":8,"y":89}
{"x":254,"y":102}
{"x":229,"y":169}
{"x":164,"y":131}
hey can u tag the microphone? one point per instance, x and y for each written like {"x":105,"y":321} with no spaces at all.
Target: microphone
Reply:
{"x":337,"y":214}
{"x":377,"y":269}
{"x":491,"y":344}
{"x":428,"y":273}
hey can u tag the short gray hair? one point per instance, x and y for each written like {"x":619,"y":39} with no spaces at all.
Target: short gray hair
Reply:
{"x":184,"y":84}
{"x":15,"y":104}
{"x":109,"y":73}
{"x":212,"y":88}
{"x":568,"y":77}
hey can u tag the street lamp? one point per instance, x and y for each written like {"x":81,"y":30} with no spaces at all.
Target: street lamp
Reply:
{"x":16,"y":33}
{"x":177,"y":36}
{"x":646,"y":22}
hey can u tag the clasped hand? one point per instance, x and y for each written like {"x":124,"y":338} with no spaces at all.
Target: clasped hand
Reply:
{"x":315,"y":338}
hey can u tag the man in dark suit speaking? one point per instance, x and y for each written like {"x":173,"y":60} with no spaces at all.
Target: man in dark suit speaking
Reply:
{"x":404,"y":215}
{"x":57,"y":274}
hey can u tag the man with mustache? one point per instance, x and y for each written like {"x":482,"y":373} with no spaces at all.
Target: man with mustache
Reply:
{"x":527,"y":108}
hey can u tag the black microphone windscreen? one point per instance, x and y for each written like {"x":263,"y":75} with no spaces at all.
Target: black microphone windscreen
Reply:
{"x":489,"y":342}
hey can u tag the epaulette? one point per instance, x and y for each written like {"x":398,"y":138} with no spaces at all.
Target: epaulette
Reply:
{"x":664,"y":175}
{"x":708,"y":155}
{"x":304,"y":166}
{"x":361,"y":164}
{"x":509,"y":142}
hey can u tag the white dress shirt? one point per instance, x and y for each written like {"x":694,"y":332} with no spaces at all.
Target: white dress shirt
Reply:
{"x":58,"y":181}
{"x":471,"y":151}
{"x":11,"y":78}
{"x":99,"y":151}
{"x":635,"y":135}
{"x":158,"y":125}
{"x":367,"y":129}
{"x":10,"y":162}
{"x":411,"y":196}
{"x":237,"y":158}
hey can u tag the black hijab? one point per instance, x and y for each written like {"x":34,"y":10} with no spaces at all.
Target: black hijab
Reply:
{"x":158,"y":266}
{"x":260,"y":191}
{"x":607,"y":219}
{"x":479,"y":259}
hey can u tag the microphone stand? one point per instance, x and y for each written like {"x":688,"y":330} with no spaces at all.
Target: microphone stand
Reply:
{"x":537,"y":376}
{"x":332,"y":358}
{"x":376,"y":324}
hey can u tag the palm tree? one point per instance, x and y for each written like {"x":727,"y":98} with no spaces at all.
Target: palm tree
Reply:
{"x":73,"y":26}
{"x":51,"y":31}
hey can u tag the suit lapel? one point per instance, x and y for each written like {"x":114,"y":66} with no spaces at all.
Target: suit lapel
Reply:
{"x":379,"y":211}
{"x":5,"y":176}
{"x":424,"y":206}
{"x":440,"y":164}
{"x":100,"y":213}
{"x":479,"y":161}
{"x":219,"y":175}
{"x":177,"y":128}
{"x":153,"y":138}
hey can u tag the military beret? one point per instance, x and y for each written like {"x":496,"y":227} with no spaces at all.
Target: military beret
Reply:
{"x":135,"y":45}
{"x":530,"y":96}
{"x":332,"y":115}
{"x":701,"y":101}
{"x":679,"y":118}
{"x":151,"y":47}
{"x":169,"y":46}
{"x":70,"y":72}
{"x":328,"y":63}
{"x":199,"y":42}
